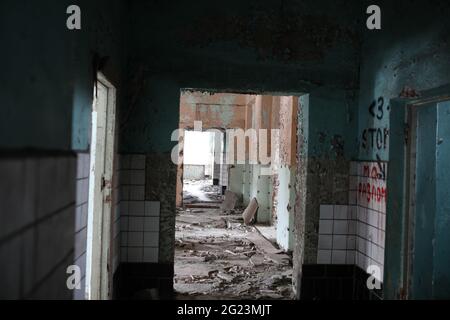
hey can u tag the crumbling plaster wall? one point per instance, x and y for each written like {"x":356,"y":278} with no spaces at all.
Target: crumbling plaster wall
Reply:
{"x":214,"y":110}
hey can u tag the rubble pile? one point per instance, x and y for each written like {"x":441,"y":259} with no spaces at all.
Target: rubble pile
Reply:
{"x":217,"y":257}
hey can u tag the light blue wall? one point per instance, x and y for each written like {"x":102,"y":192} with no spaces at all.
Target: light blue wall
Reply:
{"x":413,"y":50}
{"x":425,"y":202}
{"x":441,"y":265}
{"x":239,"y":52}
{"x":47,"y":78}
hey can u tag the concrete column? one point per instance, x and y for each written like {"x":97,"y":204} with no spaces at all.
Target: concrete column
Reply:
{"x":218,"y":141}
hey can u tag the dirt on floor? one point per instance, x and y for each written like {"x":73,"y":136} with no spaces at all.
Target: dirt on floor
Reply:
{"x":218,"y":257}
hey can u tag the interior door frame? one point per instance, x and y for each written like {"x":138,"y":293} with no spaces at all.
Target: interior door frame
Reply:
{"x":400,"y":208}
{"x":410,"y":186}
{"x":99,"y":223}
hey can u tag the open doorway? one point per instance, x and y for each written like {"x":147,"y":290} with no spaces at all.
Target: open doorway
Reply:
{"x":235,"y":196}
{"x":202,"y":183}
{"x":100,"y":190}
{"x":428,"y":211}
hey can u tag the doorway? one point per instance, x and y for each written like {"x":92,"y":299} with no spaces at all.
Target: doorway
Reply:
{"x":234,"y":234}
{"x":100,"y":190}
{"x":428,"y":260}
{"x":203,"y":183}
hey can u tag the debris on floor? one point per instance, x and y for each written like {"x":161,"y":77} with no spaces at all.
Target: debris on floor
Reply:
{"x":250,"y":211}
{"x":230,"y":201}
{"x":218,"y":257}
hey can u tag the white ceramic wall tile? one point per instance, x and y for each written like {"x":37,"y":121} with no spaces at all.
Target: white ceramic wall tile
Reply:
{"x":124,"y":223}
{"x":353,"y":212}
{"x":136,"y":208}
{"x":125,"y":177}
{"x":151,"y":239}
{"x":372,"y":234}
{"x":139,"y":224}
{"x":78,"y":218}
{"x":351,"y":227}
{"x":340,"y":212}
{"x":135,"y":239}
{"x":81,"y":262}
{"x":323,"y":256}
{"x":136,"y":223}
{"x":351,"y":242}
{"x":325,"y":241}
{"x":339,"y":242}
{"x":151,"y":224}
{"x":363,"y":246}
{"x":124,"y":162}
{"x":124,"y":239}
{"x":80,"y":167}
{"x":124,"y":254}
{"x":340,"y":227}
{"x":137,"y":177}
{"x":80,"y":243}
{"x":124,"y":193}
{"x":152,"y":208}
{"x":372,"y":218}
{"x":350,"y":257}
{"x":150,"y":255}
{"x":325,"y":226}
{"x":135,"y":254}
{"x":362,"y":229}
{"x":338,"y":257}
{"x":382,"y":239}
{"x":326,"y":212}
{"x":137,"y":193}
{"x":137,"y":162}
{"x":124,"y":208}
{"x":362,"y":214}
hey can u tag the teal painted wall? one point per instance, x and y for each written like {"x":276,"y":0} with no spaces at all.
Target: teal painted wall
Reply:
{"x":47,"y":82}
{"x":441,"y":276}
{"x":425,"y":202}
{"x":251,"y":46}
{"x":333,"y":123}
{"x":430,"y":268}
{"x":413,"y":50}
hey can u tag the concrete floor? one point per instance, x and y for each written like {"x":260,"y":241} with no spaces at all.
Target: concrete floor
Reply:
{"x":217,"y":257}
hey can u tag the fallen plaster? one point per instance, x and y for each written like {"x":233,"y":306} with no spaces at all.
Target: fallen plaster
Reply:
{"x":218,"y":257}
{"x":250,"y":212}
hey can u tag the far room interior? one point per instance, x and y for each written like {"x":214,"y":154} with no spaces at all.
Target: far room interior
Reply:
{"x":235,"y":192}
{"x":203,"y":181}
